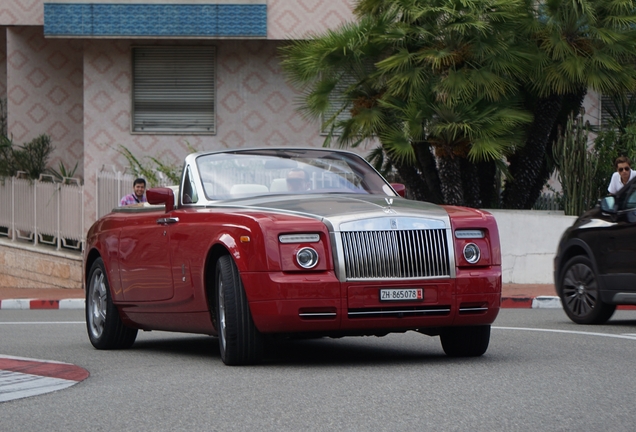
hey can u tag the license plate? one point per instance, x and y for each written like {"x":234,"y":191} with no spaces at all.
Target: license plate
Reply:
{"x":402,"y":294}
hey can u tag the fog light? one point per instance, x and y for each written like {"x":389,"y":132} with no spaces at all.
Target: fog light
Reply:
{"x":471,"y":253}
{"x":307,"y":258}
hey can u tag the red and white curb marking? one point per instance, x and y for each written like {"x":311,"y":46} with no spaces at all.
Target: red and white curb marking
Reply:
{"x":24,"y":377}
{"x":21,"y":304}
{"x":539,"y":302}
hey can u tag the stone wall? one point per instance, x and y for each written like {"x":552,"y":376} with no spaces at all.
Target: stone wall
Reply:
{"x":28,"y":266}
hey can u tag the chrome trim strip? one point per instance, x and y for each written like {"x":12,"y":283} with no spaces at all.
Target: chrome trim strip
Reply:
{"x":337,"y":251}
{"x":398,"y":223}
{"x":474,"y":309}
{"x":317,"y":314}
{"x":393,"y":312}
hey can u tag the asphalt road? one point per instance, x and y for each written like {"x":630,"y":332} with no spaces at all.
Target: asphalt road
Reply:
{"x":541,"y":372}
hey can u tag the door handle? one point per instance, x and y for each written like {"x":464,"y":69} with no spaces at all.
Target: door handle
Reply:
{"x":167,"y":221}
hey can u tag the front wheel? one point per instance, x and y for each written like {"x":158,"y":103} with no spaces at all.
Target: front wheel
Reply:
{"x":105,"y":327}
{"x":465,"y":341}
{"x":580,"y":294}
{"x":240,"y":342}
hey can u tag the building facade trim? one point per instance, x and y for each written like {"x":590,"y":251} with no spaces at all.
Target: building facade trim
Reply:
{"x":155,"y":20}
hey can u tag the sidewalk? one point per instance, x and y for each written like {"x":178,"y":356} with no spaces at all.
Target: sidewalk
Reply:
{"x":513,"y":296}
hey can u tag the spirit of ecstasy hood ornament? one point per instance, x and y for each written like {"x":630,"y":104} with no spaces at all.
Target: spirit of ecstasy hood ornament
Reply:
{"x":388,"y":210}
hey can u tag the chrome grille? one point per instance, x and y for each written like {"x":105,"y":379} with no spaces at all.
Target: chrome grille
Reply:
{"x":396,"y":254}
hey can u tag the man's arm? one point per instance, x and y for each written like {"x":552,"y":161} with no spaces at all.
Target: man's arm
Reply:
{"x":615,"y":184}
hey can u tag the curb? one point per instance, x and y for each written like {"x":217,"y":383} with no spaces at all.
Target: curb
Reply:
{"x":22,"y":304}
{"x":24,"y":377}
{"x":539,"y":302}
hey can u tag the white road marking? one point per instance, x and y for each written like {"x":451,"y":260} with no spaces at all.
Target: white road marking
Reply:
{"x":41,"y":322}
{"x":16,"y":385}
{"x":617,"y":336}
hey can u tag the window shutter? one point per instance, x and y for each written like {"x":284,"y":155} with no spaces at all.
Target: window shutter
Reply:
{"x":173,"y":89}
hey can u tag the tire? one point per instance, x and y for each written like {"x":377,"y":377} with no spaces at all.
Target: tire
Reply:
{"x":580,"y":293}
{"x":469,"y":341}
{"x":105,"y":327}
{"x":240,"y":342}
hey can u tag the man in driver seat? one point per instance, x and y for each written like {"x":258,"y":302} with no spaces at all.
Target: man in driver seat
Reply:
{"x":297,"y":180}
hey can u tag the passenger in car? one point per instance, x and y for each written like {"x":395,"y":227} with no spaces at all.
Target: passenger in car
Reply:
{"x":138,"y":196}
{"x":624,"y":173}
{"x":297,"y":180}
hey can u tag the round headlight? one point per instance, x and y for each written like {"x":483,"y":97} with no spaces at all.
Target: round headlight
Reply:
{"x":307,"y":258}
{"x":471,"y":253}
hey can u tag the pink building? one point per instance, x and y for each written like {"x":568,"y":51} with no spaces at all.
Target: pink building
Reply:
{"x":154,"y":76}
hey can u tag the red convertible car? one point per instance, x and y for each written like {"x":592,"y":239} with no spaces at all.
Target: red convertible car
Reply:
{"x":290,"y":242}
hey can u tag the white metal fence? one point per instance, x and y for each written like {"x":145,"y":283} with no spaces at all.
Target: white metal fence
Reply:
{"x":111,"y":187}
{"x":42,"y":211}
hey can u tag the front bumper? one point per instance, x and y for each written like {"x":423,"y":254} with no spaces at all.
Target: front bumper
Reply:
{"x":319,"y":303}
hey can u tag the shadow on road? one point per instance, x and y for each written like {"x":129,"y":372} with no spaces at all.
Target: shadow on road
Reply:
{"x":319,"y":351}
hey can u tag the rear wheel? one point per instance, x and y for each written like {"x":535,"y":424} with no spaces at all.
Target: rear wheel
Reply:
{"x":465,"y":341}
{"x":580,"y":294}
{"x":240,"y":342}
{"x":105,"y":327}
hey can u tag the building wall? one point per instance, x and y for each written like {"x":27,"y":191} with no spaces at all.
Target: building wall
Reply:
{"x":21,"y":12}
{"x":295,"y":19}
{"x":44,"y":92}
{"x":592,"y":107}
{"x":3,"y":62}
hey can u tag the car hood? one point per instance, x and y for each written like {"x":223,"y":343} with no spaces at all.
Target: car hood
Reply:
{"x":353,"y":212}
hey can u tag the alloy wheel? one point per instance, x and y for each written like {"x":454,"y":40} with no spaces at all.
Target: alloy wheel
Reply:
{"x":580,"y":289}
{"x":97,"y":303}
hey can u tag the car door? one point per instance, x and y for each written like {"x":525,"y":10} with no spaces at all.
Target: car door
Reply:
{"x":619,"y":248}
{"x":144,"y":258}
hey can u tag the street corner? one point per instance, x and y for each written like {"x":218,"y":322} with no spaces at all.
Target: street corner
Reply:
{"x":25,"y":377}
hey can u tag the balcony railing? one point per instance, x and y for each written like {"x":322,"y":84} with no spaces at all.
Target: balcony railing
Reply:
{"x":41,"y":211}
{"x":44,"y":212}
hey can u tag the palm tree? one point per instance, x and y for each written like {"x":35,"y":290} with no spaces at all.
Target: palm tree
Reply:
{"x":580,"y":44}
{"x":427,"y":78}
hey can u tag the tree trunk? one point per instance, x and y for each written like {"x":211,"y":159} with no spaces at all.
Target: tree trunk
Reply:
{"x":451,"y":180}
{"x":489,"y":189}
{"x":526,"y":163}
{"x":470,"y":183}
{"x":414,"y":183}
{"x":430,"y":174}
{"x":572,"y":103}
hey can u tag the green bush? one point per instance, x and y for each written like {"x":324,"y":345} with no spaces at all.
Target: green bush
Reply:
{"x":31,"y":157}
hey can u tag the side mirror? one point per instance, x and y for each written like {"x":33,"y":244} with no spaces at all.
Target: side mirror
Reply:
{"x":399,"y":188}
{"x":158,"y":196}
{"x":608,"y":204}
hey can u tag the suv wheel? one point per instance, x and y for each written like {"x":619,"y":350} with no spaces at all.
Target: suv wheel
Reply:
{"x":580,"y":294}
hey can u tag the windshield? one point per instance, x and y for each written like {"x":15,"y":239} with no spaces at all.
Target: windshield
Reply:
{"x":250,"y":173}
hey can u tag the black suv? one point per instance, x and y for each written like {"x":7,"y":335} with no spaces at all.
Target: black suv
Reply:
{"x":595,"y":264}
